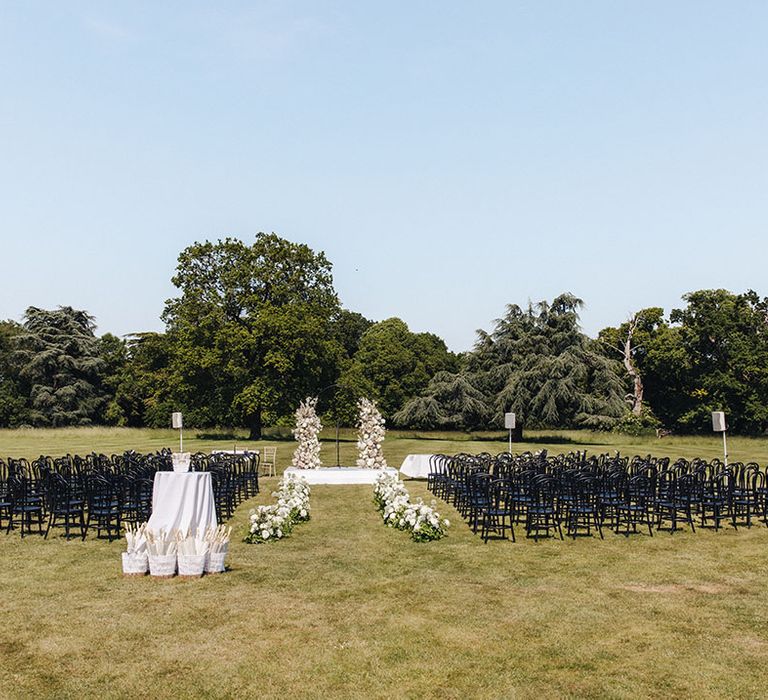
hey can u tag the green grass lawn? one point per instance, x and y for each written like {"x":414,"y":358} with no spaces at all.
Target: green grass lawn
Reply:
{"x":346,"y":607}
{"x":34,"y":442}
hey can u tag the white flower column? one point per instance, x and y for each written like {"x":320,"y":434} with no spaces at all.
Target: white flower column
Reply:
{"x":371,"y":432}
{"x":306,"y":432}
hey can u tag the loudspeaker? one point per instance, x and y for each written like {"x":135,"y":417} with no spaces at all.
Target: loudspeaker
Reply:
{"x":718,"y":421}
{"x":176,"y":420}
{"x":509,"y":421}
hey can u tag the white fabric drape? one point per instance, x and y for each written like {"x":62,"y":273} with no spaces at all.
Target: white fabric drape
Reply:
{"x":182,"y":501}
{"x":416,"y":466}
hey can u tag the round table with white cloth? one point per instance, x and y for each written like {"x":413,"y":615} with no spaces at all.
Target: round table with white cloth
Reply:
{"x":416,"y":466}
{"x":182,"y":501}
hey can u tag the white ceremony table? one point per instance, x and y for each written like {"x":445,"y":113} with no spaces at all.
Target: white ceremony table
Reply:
{"x":416,"y":466}
{"x":183,"y":501}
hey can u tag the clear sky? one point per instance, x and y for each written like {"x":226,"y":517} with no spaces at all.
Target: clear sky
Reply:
{"x":449,"y":157}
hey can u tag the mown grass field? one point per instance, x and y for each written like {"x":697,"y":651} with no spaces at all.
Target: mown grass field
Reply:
{"x":349,"y":608}
{"x":34,"y":442}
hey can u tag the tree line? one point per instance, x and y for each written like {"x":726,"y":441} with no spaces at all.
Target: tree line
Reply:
{"x":257,"y":327}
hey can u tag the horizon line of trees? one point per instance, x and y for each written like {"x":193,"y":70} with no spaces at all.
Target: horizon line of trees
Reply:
{"x":257,"y":327}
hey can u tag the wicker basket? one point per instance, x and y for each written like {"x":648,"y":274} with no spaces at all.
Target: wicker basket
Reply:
{"x":191,"y":565}
{"x":162,"y":565}
{"x":181,"y":461}
{"x":214,"y":562}
{"x":135,"y":564}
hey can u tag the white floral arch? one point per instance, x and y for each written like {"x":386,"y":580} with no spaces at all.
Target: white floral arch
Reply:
{"x":371,"y":432}
{"x":306,"y":432}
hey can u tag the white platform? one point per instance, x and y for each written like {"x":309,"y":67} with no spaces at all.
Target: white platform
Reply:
{"x":338,"y":475}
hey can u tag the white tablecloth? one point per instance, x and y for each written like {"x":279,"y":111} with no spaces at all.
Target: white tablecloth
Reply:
{"x":182,"y":501}
{"x":416,"y":466}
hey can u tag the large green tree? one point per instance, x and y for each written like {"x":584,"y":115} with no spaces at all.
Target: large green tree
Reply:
{"x":656,"y":366}
{"x":711,"y":355}
{"x":13,"y":392}
{"x":142,"y":381}
{"x":392,"y":364}
{"x":62,"y":364}
{"x":452,"y":400}
{"x":537,"y":363}
{"x":725,"y":339}
{"x":348,"y":328}
{"x":113,"y":352}
{"x":251,"y":333}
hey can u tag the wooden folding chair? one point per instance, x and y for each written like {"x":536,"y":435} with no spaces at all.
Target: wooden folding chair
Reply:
{"x":268,"y":461}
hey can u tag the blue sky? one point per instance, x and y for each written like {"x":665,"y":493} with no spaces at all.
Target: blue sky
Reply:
{"x":449,"y":157}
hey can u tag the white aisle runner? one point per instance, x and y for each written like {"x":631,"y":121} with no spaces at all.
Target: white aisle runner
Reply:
{"x":338,"y":475}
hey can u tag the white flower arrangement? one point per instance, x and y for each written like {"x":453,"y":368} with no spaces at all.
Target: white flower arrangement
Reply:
{"x":392,"y":499}
{"x":306,"y":432}
{"x":371,"y":432}
{"x":273,"y":522}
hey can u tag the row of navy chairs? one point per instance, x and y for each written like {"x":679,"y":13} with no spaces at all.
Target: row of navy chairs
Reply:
{"x":584,"y":495}
{"x":100,"y":492}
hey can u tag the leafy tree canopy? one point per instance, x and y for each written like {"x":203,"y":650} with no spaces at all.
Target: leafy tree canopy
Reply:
{"x":540,"y":365}
{"x":712,"y":355}
{"x":62,"y":365}
{"x":394,"y":364}
{"x":252,"y":330}
{"x":13,"y":390}
{"x":452,"y":401}
{"x":537,"y":363}
{"x":724,"y":337}
{"x":348,"y":328}
{"x":657,"y":352}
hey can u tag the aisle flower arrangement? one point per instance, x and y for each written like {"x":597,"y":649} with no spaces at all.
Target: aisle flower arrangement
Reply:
{"x":275,"y":521}
{"x":370,"y":436}
{"x":306,"y":432}
{"x":393,"y":501}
